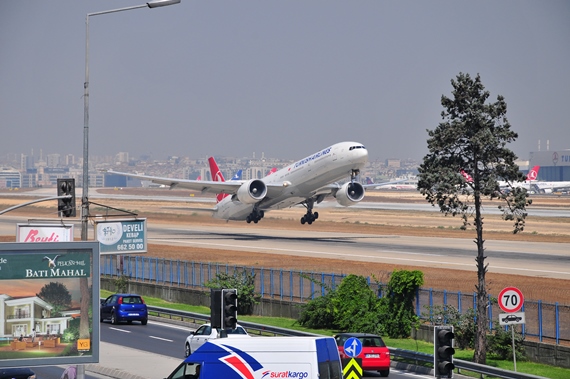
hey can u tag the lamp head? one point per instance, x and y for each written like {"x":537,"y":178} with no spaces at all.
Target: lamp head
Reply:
{"x":161,"y":3}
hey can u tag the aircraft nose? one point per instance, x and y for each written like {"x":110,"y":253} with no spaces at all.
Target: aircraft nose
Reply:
{"x":360,"y":155}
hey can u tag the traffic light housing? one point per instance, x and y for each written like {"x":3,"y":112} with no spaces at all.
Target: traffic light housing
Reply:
{"x":216,"y":308}
{"x":66,"y":206}
{"x":443,"y":351}
{"x":229,"y":308}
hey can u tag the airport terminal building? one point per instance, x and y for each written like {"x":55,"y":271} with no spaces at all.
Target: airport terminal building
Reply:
{"x":554,"y":165}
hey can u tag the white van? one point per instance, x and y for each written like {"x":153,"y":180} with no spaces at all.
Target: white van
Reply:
{"x":263,"y":358}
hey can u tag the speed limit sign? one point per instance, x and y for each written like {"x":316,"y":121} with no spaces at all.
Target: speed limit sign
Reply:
{"x":511,"y":299}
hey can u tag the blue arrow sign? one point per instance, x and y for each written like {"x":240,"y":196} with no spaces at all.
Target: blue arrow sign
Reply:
{"x":353,"y":347}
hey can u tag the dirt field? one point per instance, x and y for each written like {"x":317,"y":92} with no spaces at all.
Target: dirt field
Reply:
{"x":349,"y":220}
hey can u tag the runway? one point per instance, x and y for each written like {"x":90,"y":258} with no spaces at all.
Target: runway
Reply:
{"x":547,"y":260}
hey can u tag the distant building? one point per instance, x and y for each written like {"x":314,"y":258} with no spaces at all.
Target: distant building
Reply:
{"x":53,"y":160}
{"x":394,"y":163}
{"x":10,"y":178}
{"x":554,"y":165}
{"x":123,"y":157}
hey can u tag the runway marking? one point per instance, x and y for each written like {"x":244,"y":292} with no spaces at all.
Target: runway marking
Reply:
{"x":162,"y":339}
{"x":234,"y":246}
{"x":120,"y":330}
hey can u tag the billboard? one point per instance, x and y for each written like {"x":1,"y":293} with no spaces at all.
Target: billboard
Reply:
{"x":121,"y":236}
{"x":44,"y":232}
{"x":49,"y":303}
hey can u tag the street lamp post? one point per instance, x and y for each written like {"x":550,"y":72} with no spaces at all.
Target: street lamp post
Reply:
{"x":83,"y":328}
{"x":85,"y":195}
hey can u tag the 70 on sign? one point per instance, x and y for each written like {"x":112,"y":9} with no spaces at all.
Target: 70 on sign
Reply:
{"x":511,"y":299}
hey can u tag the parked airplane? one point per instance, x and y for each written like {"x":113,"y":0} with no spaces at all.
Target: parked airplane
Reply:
{"x":407,"y":183}
{"x":527,"y":184}
{"x":307,"y":182}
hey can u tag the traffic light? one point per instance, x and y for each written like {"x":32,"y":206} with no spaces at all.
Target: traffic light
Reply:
{"x":229,"y":308}
{"x":443,"y":351}
{"x":66,"y":206}
{"x":216,"y":308}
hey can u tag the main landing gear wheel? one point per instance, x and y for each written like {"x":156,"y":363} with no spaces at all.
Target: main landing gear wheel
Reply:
{"x":309,"y":217}
{"x":255,"y":216}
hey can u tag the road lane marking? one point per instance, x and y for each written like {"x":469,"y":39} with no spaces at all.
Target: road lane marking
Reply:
{"x":120,"y":330}
{"x":162,"y":339}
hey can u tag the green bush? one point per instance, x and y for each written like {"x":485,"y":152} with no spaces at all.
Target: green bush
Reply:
{"x":464,"y":325}
{"x":318,"y":313}
{"x":354,"y":307}
{"x":500,"y":343}
{"x":244,"y":282}
{"x":401,"y":292}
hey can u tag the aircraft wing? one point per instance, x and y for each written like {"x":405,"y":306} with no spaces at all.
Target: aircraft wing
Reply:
{"x":203,"y":186}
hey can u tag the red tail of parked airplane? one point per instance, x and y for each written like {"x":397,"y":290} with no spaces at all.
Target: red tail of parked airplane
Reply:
{"x":533,"y":173}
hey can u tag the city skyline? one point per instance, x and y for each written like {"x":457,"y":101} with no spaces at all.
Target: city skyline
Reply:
{"x":283,"y":79}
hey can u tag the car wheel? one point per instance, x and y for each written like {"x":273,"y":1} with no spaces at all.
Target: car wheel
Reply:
{"x":384,"y":373}
{"x":144,"y":321}
{"x":187,"y":350}
{"x":114,"y":320}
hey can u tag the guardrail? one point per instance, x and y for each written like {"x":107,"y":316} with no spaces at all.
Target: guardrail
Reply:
{"x":398,"y":354}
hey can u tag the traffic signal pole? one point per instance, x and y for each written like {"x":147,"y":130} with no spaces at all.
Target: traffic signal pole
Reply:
{"x":443,"y":351}
{"x":33,"y":202}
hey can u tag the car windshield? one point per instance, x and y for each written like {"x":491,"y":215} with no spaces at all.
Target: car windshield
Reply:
{"x":372,"y":342}
{"x":366,"y":341}
{"x":132,"y":300}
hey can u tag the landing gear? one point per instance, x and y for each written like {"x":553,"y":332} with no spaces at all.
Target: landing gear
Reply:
{"x":354,"y":174}
{"x":255,"y":216}
{"x":309,"y":217}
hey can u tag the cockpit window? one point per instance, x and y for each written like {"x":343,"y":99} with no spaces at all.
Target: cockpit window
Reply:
{"x":356,"y":147}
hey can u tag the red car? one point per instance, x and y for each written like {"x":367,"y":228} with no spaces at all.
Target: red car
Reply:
{"x":375,"y":355}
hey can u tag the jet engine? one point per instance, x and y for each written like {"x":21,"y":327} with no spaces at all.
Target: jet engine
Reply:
{"x":350,"y":193}
{"x":251,"y":191}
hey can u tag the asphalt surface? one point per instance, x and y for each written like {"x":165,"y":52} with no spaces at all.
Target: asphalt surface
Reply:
{"x":126,"y":363}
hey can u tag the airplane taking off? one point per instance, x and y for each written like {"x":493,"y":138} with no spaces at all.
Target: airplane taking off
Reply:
{"x":307,"y":182}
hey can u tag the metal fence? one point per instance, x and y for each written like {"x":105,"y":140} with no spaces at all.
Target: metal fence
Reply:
{"x":547,"y":322}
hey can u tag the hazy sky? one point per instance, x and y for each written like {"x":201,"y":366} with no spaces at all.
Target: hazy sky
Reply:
{"x":281,"y":77}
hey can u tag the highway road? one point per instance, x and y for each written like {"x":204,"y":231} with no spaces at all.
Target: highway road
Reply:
{"x":163,"y":339}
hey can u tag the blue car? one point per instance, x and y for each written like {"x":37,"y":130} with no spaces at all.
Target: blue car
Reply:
{"x":124,"y":307}
{"x":16,"y":373}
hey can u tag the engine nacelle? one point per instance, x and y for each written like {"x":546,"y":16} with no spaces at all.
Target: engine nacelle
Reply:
{"x":350,"y":194}
{"x":251,"y":191}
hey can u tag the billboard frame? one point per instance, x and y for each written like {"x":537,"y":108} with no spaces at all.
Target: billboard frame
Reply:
{"x":33,"y":252}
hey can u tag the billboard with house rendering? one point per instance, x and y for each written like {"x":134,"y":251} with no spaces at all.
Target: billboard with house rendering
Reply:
{"x":49,"y":300}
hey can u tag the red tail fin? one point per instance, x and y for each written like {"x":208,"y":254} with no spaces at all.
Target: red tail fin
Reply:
{"x":533,"y":173}
{"x":274,"y":169}
{"x":216,"y":177}
{"x":467,"y":177}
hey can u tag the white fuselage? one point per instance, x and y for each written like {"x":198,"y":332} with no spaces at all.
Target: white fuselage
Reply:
{"x":300,"y":180}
